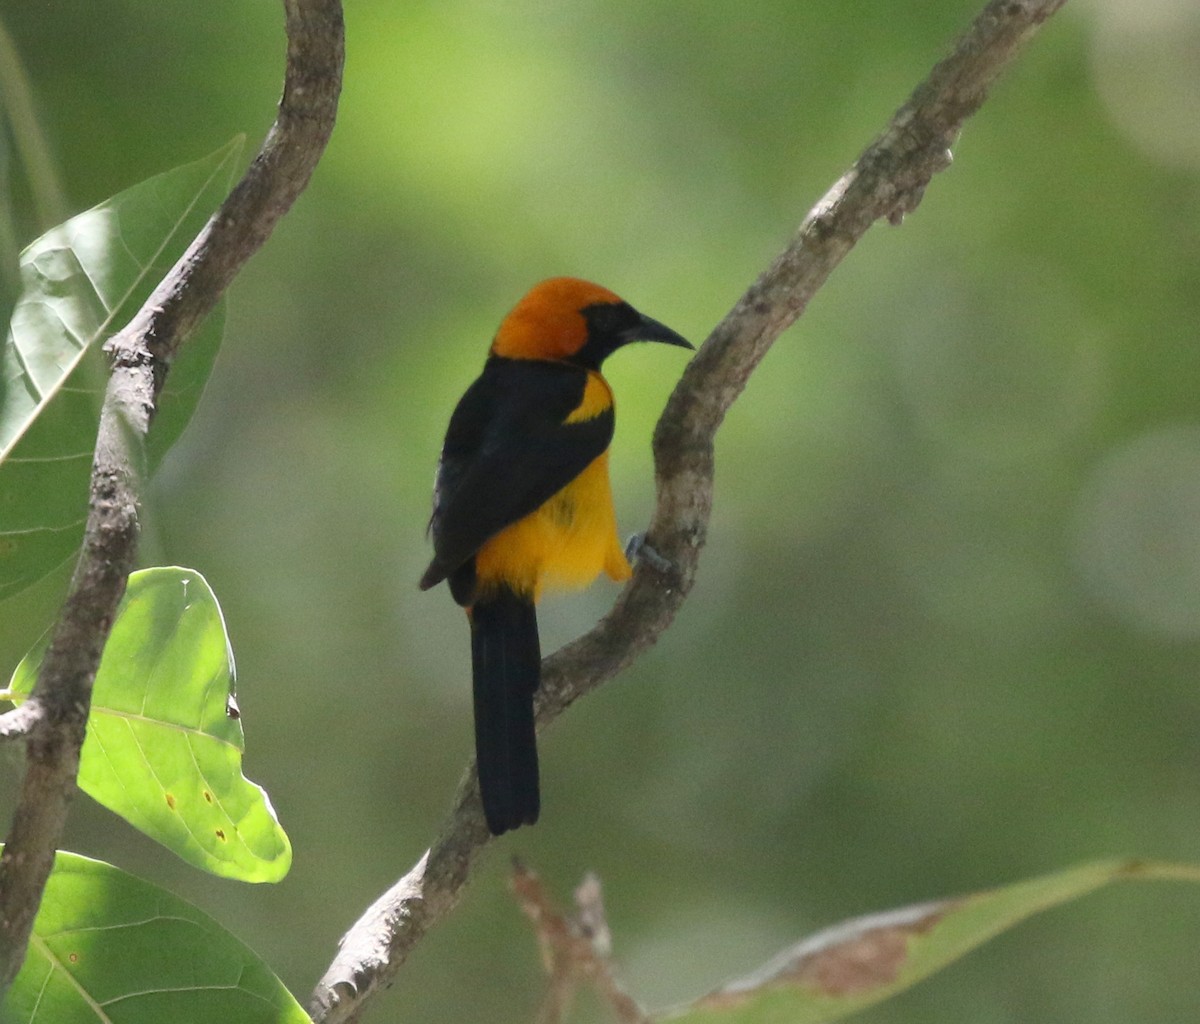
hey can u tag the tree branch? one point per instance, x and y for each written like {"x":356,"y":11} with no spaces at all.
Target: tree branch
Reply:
{"x":20,"y":721}
{"x":141,"y":355}
{"x":575,"y":949}
{"x":887,"y":181}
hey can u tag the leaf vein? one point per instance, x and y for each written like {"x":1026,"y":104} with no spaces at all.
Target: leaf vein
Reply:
{"x":57,"y":964}
{"x":187,"y":730}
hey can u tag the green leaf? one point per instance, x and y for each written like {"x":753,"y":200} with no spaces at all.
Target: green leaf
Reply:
{"x":164,"y":740}
{"x":81,"y":282}
{"x":844,"y":969}
{"x":109,"y":948}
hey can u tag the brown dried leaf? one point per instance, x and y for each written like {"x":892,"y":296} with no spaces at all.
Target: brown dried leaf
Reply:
{"x":853,"y":965}
{"x":849,"y":958}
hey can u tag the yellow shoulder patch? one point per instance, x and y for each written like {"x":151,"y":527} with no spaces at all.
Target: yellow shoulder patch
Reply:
{"x":597,"y":397}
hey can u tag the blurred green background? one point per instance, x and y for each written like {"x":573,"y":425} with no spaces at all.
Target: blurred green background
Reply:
{"x":947,"y":626}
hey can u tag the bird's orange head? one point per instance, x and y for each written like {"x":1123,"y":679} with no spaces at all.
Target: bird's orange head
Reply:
{"x":567,"y":319}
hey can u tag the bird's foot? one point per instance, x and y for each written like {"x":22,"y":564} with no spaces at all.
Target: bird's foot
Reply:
{"x":637,"y":550}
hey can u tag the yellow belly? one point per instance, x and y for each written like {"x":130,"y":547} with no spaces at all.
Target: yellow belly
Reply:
{"x":564,"y":544}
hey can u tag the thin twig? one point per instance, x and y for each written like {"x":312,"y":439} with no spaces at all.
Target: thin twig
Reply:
{"x":141,"y":354}
{"x":575,"y":950}
{"x":20,"y":722}
{"x":887,"y":181}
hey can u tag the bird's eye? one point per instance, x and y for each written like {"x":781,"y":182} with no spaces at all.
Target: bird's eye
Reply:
{"x":605,"y":319}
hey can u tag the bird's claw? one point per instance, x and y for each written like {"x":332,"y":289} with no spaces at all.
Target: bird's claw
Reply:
{"x":637,"y":550}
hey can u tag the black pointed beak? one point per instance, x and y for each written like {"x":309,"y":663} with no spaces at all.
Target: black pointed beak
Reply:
{"x":648,"y":329}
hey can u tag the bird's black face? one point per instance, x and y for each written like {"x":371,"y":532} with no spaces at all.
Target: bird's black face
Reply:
{"x":613,"y":324}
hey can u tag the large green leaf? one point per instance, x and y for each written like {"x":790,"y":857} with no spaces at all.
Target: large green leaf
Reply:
{"x":109,"y":948}
{"x":81,"y":282}
{"x":164,"y":740}
{"x":851,"y":966}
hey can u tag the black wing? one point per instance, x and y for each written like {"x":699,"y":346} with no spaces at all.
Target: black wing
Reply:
{"x":507,"y":451}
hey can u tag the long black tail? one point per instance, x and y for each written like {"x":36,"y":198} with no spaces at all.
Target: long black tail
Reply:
{"x":506,"y":658}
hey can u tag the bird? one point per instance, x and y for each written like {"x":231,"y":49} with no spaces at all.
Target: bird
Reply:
{"x":522,"y":504}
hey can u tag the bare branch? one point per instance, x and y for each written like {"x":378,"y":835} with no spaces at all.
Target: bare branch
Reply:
{"x":19,"y":722}
{"x":887,"y":181}
{"x":141,"y":355}
{"x":575,"y":949}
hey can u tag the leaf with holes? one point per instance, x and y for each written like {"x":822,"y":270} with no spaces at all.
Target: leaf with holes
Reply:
{"x":164,"y":740}
{"x":851,"y":966}
{"x":81,"y":282}
{"x":109,"y":948}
